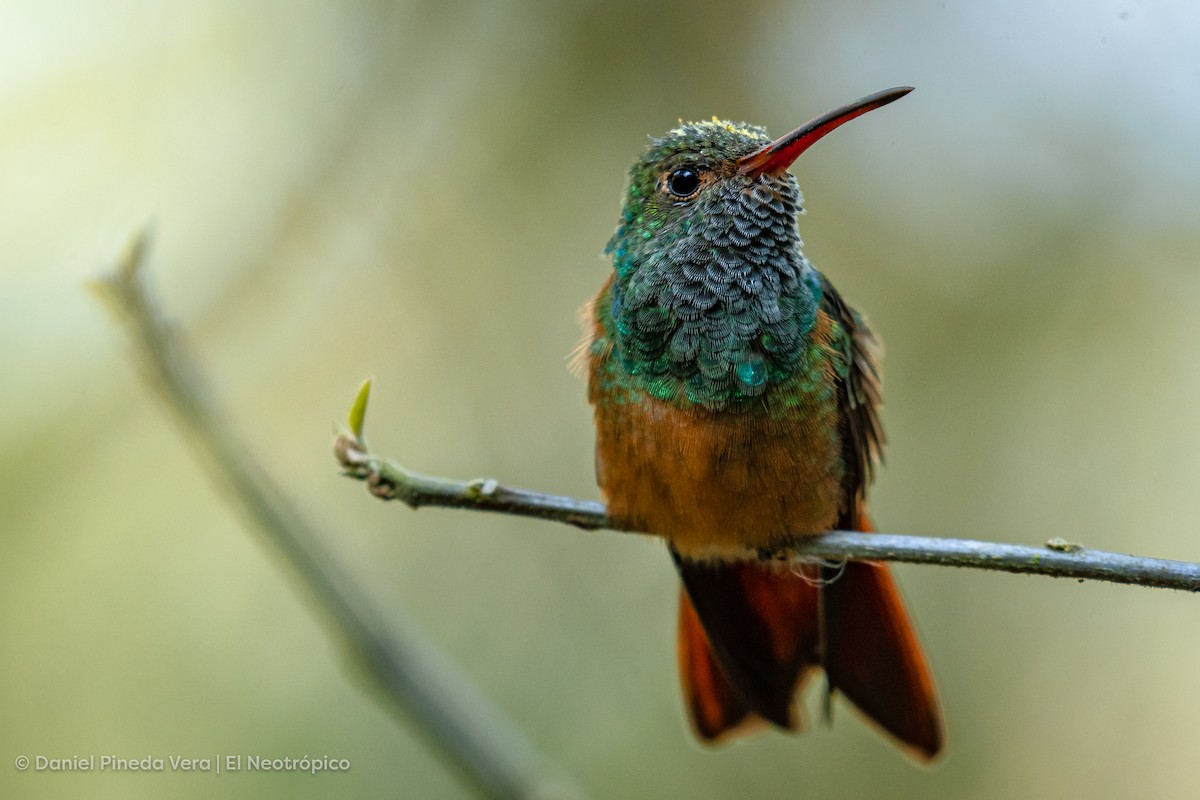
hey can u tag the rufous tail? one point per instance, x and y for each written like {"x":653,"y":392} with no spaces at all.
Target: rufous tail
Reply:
{"x":750,"y":634}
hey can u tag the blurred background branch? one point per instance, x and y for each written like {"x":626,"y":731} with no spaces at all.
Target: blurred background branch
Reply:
{"x":393,"y":655}
{"x":1058,"y":558}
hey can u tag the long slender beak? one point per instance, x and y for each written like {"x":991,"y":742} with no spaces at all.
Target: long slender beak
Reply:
{"x":779,"y":154}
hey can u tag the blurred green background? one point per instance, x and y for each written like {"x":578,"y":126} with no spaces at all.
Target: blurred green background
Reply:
{"x":420,"y":192}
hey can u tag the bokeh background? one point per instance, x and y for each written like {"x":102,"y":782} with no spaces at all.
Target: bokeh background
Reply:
{"x":420,"y":191}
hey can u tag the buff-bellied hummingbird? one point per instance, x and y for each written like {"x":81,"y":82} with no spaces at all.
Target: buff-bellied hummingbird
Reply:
{"x":736,"y":399}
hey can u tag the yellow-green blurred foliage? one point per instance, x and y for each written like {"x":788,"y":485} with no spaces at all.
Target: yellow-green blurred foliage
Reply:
{"x":420,"y":192}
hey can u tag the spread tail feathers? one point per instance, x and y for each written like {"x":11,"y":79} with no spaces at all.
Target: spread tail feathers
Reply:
{"x":750,"y":633}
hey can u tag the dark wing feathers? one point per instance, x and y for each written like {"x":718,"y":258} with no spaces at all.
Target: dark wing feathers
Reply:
{"x":860,"y":397}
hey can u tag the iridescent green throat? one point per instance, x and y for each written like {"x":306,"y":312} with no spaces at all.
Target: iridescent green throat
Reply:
{"x":713,"y":302}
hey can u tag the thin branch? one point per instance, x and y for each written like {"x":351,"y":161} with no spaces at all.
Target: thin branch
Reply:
{"x":1057,"y":558}
{"x":394,"y":655}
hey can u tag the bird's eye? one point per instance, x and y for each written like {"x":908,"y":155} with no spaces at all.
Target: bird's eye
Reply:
{"x":683,"y":182}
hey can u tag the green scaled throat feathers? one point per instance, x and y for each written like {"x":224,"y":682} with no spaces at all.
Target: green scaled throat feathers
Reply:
{"x":713,"y":302}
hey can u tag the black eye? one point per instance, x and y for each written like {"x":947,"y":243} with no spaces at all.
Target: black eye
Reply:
{"x":683,"y":182}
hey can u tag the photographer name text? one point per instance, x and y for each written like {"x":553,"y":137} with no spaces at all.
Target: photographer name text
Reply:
{"x":218,"y":764}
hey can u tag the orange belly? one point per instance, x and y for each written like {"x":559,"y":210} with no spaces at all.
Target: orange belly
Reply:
{"x":718,"y":485}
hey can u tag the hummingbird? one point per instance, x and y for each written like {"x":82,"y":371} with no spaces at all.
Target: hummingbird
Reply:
{"x":736,"y":399}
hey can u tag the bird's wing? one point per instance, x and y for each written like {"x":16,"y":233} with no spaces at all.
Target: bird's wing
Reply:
{"x":859,"y":395}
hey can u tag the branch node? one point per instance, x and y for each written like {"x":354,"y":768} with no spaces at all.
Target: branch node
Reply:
{"x":483,"y":487}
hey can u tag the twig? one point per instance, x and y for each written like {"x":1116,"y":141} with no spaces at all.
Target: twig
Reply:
{"x":395,"y":656}
{"x":1059,"y":559}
